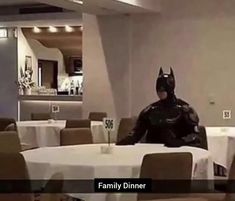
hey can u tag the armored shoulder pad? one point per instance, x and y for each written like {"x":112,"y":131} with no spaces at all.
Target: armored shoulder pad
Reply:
{"x":146,"y":109}
{"x":144,"y":112}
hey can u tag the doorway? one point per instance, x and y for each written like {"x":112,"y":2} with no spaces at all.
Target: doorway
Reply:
{"x":47,"y":73}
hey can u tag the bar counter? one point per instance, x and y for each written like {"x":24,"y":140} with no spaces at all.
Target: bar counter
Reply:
{"x":70,"y":107}
{"x":50,"y":97}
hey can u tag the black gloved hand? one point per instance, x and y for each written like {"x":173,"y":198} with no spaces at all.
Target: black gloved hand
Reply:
{"x":126,"y":141}
{"x":174,"y":143}
{"x":191,"y":139}
{"x":171,"y":140}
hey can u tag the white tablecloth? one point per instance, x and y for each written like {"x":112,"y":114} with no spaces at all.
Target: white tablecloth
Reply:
{"x":45,"y":133}
{"x":221,"y":144}
{"x":86,"y":162}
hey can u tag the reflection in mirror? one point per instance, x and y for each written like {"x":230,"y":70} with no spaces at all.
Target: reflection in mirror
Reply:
{"x":56,"y":57}
{"x":47,"y":73}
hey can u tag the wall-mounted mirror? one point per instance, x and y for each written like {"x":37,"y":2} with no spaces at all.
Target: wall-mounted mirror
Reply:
{"x":55,"y":54}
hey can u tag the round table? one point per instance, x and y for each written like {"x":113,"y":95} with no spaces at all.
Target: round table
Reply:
{"x":221,"y":144}
{"x":87,"y":162}
{"x":47,"y":133}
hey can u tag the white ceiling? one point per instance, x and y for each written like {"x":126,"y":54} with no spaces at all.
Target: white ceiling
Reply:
{"x":16,"y":2}
{"x":54,"y":19}
{"x":29,"y":20}
{"x":99,"y":7}
{"x":108,"y":6}
{"x":96,"y":6}
{"x":63,"y":4}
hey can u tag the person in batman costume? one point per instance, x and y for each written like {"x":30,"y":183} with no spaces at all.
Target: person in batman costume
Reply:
{"x":170,"y":121}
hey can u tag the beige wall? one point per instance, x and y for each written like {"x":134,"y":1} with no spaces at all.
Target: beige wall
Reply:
{"x":197,"y":39}
{"x":106,"y":65}
{"x":8,"y":76}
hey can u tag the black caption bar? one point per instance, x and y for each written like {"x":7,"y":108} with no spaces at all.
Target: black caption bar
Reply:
{"x":114,"y":185}
{"x":123,"y":185}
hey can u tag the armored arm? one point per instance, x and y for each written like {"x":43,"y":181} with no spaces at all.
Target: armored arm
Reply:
{"x":192,"y":121}
{"x":137,"y":132}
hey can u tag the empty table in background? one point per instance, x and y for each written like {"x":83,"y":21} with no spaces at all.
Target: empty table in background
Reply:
{"x":221,"y":144}
{"x":47,"y":133}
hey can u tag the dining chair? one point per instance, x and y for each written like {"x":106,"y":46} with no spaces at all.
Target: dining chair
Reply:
{"x":13,"y":169}
{"x":203,"y":137}
{"x":8,"y":124}
{"x":40,"y":116}
{"x":181,"y":199}
{"x":78,"y":123}
{"x":230,"y":186}
{"x":9,"y":142}
{"x":53,"y":189}
{"x":74,"y":136}
{"x":163,"y":167}
{"x":97,"y":116}
{"x":125,"y":127}
{"x":219,"y":171}
{"x":228,"y":196}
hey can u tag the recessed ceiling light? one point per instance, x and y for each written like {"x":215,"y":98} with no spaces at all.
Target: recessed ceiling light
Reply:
{"x":81,"y":28}
{"x":52,"y":29}
{"x":36,"y":30}
{"x":68,"y":28}
{"x":77,"y":1}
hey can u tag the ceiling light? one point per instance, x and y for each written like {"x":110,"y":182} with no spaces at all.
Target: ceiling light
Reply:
{"x":36,"y":30}
{"x":77,"y":1}
{"x":3,"y":33}
{"x":81,"y":28}
{"x":69,"y":28}
{"x":52,"y":29}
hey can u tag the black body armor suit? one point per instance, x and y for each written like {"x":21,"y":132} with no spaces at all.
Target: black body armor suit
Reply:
{"x":170,"y":121}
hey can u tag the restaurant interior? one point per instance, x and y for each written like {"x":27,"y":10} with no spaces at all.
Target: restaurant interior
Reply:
{"x":117,"y":100}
